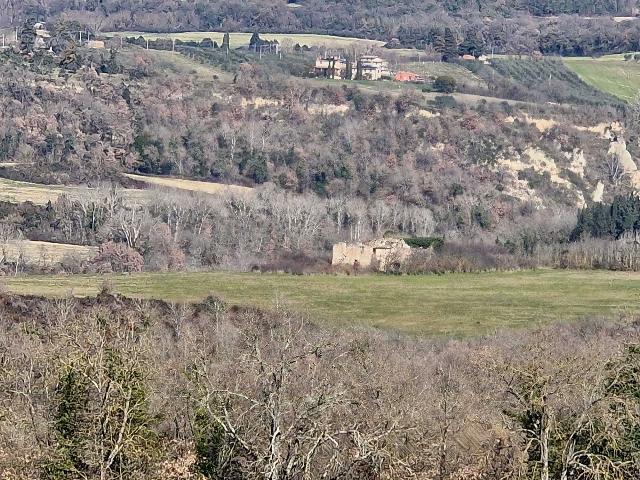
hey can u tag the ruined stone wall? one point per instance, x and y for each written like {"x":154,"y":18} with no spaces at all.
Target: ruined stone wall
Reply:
{"x":387,"y":253}
{"x":349,"y":253}
{"x":378,"y":253}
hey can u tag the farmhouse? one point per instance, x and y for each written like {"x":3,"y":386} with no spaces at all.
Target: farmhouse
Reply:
{"x":332,"y":67}
{"x":367,"y":67}
{"x":379,"y":254}
{"x":373,"y":68}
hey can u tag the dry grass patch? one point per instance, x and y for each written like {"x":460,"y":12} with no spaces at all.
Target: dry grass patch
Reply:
{"x":43,"y":253}
{"x":14,"y":191}
{"x":190,"y":185}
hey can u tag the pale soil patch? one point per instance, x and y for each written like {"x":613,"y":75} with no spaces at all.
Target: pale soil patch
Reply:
{"x":604,"y":129}
{"x":259,"y":102}
{"x":578,"y":162}
{"x":313,"y":109}
{"x":426,"y":114}
{"x":317,"y":109}
{"x":43,"y":253}
{"x":540,"y":162}
{"x":598,"y":194}
{"x":190,"y":185}
{"x":541,"y":124}
{"x":619,"y":151}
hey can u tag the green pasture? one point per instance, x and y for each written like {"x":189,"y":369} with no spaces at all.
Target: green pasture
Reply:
{"x":454,"y":304}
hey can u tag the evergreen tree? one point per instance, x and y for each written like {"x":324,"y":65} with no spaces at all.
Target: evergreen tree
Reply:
{"x":226,"y":41}
{"x":255,"y":41}
{"x":450,"y":50}
{"x":472,"y":44}
{"x":437,"y":40}
{"x":349,"y":69}
{"x":28,"y":36}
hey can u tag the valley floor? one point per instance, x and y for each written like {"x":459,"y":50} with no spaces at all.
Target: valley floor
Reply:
{"x":455,"y":304}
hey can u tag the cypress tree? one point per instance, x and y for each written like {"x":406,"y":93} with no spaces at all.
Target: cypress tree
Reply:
{"x":450,"y":45}
{"x":226,"y":41}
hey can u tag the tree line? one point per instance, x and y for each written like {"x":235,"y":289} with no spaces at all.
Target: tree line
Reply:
{"x":516,"y":26}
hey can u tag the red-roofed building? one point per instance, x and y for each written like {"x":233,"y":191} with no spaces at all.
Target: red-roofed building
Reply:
{"x":408,"y":77}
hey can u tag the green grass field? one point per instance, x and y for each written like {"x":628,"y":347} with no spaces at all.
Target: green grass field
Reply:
{"x":456,"y":304}
{"x":611,"y":74}
{"x":242,"y":39}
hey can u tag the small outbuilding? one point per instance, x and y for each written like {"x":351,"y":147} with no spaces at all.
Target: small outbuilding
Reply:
{"x":408,"y":77}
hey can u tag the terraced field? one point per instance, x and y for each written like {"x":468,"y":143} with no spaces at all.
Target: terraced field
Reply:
{"x":456,"y":304}
{"x":552,"y":77}
{"x":432,"y":70}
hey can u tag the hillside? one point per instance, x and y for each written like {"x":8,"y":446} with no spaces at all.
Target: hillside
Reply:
{"x":356,"y":159}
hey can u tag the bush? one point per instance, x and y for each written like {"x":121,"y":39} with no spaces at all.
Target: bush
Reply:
{"x":425,"y":242}
{"x":117,"y":257}
{"x":465,"y":258}
{"x":445,"y":84}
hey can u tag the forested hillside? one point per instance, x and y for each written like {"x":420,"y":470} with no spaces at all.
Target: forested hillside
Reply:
{"x":505,"y":26}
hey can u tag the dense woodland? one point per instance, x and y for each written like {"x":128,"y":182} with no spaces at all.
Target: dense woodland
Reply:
{"x":518,"y":26}
{"x":114,"y":388}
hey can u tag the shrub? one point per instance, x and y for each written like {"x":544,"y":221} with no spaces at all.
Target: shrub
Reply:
{"x":425,"y":242}
{"x":117,"y":257}
{"x":445,"y":84}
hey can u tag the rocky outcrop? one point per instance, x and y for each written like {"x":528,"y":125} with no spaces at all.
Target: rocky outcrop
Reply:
{"x":619,"y":153}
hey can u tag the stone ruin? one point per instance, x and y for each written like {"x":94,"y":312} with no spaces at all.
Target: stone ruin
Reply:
{"x":377,"y":254}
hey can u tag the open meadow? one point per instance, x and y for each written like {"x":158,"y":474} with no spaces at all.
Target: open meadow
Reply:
{"x":454,"y":304}
{"x":610,"y":73}
{"x":17,"y":192}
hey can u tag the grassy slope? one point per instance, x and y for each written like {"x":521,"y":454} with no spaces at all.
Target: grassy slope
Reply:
{"x":610,"y":74}
{"x":242,"y":39}
{"x":190,"y":185}
{"x":18,"y":192}
{"x":463,"y":304}
{"x":44,"y":253}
